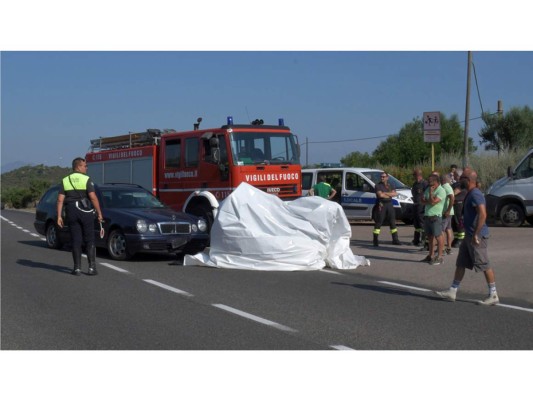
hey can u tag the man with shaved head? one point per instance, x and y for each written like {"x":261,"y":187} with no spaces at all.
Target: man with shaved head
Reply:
{"x":473,"y":250}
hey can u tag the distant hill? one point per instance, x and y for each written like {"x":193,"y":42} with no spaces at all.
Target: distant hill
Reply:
{"x":23,"y":176}
{"x":25,"y":185}
{"x":14,"y":165}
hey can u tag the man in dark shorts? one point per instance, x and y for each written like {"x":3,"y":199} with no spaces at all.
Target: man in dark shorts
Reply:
{"x":473,"y":250}
{"x":433,"y":200}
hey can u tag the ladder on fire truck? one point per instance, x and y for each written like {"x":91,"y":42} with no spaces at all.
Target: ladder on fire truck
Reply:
{"x":132,"y":139}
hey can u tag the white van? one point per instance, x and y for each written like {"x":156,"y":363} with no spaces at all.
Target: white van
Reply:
{"x":355,"y":191}
{"x":510,"y":199}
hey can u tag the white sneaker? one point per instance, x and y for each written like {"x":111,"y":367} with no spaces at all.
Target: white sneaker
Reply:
{"x":491,"y":300}
{"x":447,"y":294}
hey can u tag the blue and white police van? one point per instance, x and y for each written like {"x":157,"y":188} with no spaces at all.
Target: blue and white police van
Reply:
{"x":356,"y":193}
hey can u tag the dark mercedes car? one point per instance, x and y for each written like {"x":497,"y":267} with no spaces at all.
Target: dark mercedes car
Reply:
{"x":134,"y":221}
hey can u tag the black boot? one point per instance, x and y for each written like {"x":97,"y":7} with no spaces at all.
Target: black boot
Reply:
{"x":91,"y":256}
{"x":76,"y":257}
{"x":416,"y":240}
{"x":376,"y":241}
{"x":456,"y":243}
{"x":395,"y":239}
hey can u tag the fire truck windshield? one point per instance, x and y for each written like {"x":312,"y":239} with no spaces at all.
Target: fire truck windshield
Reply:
{"x":250,"y":148}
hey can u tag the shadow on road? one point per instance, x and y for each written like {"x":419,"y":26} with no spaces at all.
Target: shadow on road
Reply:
{"x":399,"y":292}
{"x":34,"y":264}
{"x":35,"y":243}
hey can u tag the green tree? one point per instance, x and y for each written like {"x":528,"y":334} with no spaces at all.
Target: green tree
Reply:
{"x":512,"y":130}
{"x":17,"y":197}
{"x":407,"y":148}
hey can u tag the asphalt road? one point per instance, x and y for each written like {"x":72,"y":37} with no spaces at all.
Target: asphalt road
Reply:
{"x":150,"y":304}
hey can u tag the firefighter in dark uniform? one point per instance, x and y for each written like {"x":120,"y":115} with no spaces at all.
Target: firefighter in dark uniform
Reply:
{"x":384,"y":209}
{"x":77,"y":192}
{"x":457,"y":219}
{"x":417,"y":191}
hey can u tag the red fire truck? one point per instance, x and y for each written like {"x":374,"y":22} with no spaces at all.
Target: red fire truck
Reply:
{"x":193,"y":171}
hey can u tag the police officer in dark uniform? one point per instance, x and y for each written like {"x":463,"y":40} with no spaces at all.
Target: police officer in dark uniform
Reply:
{"x":77,"y":192}
{"x":457,"y":219}
{"x":417,"y":191}
{"x":384,"y":209}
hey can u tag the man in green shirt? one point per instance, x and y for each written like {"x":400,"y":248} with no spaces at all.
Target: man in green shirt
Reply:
{"x":323,"y":189}
{"x":433,"y":199}
{"x":447,"y":213}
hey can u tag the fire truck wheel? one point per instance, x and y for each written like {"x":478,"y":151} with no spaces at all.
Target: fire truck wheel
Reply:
{"x":117,"y":246}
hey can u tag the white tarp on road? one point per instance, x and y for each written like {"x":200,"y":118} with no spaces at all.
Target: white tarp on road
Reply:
{"x":258,"y":231}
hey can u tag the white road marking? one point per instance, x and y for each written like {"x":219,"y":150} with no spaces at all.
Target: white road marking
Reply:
{"x":254,"y":318}
{"x":341,"y":347}
{"x":115,"y":268}
{"x":246,"y":315}
{"x":515,"y":307}
{"x":330,"y":271}
{"x":404,"y":286}
{"x":172,"y":289}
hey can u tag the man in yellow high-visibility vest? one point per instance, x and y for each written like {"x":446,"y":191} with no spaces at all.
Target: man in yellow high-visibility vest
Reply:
{"x":78,"y":194}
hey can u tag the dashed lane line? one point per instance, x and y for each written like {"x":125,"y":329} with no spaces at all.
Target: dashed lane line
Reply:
{"x":172,"y":289}
{"x":254,"y":318}
{"x":340,"y":347}
{"x":115,"y":268}
{"x":404,"y":286}
{"x":328,"y":271}
{"x":473,"y":301}
{"x":515,"y":307}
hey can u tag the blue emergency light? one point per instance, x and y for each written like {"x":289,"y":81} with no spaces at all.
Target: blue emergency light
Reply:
{"x":230,"y":120}
{"x":281,"y":122}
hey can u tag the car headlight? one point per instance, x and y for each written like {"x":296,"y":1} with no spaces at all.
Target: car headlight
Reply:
{"x":202,"y":225}
{"x":142,"y":226}
{"x":152,"y":228}
{"x":402,"y":197}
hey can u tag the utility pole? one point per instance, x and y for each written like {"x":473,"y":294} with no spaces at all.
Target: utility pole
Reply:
{"x":500,"y":116}
{"x":307,"y":152}
{"x":467,"y":111}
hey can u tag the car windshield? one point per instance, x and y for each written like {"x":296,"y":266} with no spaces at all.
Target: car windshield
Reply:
{"x":129,"y":198}
{"x":375,"y":176}
{"x":250,"y":148}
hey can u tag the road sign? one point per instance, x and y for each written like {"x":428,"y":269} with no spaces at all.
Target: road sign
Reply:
{"x":432,"y":126}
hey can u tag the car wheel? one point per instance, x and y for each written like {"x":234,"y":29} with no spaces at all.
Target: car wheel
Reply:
{"x":512,"y":215}
{"x":52,"y":236}
{"x":117,"y":246}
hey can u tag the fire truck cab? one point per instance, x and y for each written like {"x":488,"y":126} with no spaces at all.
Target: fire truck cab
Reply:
{"x":194,"y":171}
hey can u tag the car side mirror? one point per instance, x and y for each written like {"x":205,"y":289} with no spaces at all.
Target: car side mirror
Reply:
{"x":366,"y":187}
{"x":509,"y":172}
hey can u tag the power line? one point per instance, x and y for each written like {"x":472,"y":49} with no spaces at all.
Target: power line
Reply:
{"x":373,"y":137}
{"x":348,"y":140}
{"x":477,"y":88}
